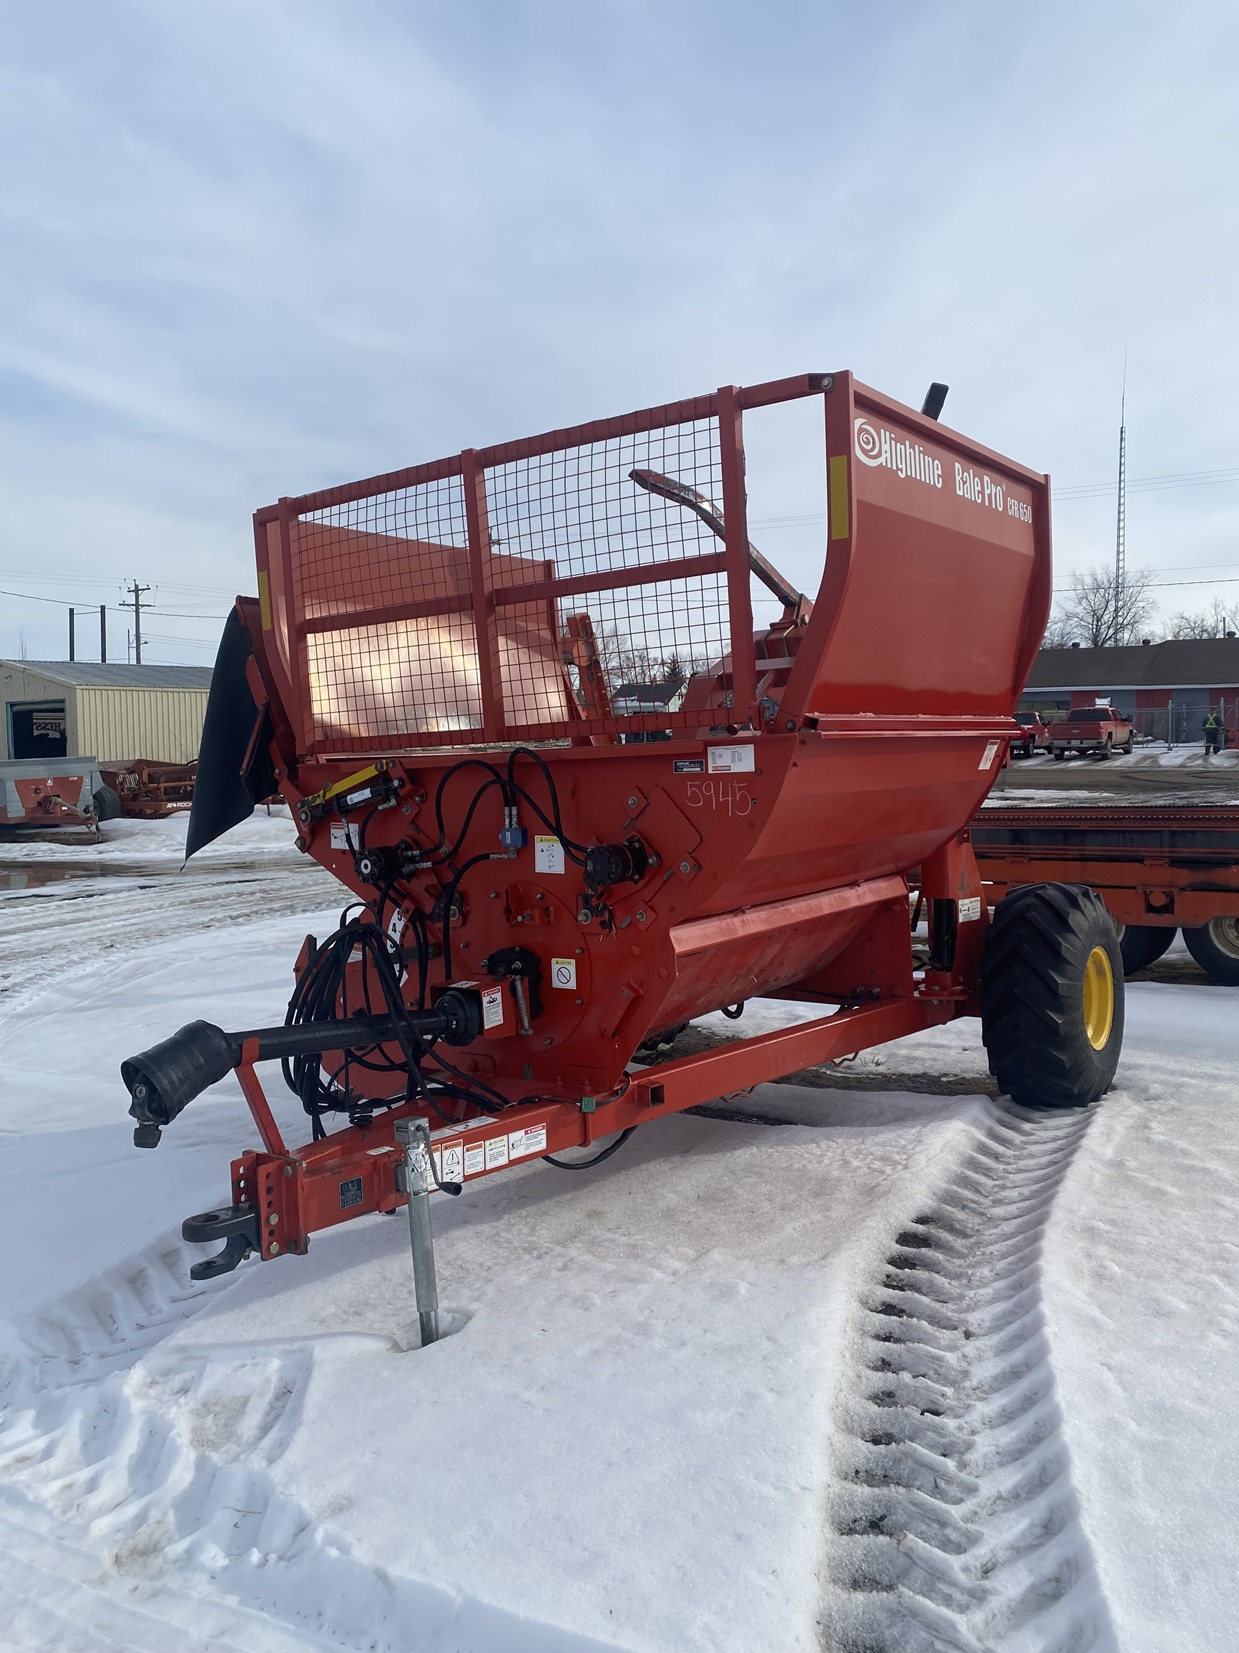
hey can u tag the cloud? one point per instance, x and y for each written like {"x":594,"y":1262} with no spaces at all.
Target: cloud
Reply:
{"x":249,"y":250}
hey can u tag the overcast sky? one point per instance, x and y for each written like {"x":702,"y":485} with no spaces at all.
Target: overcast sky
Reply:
{"x":252,"y":247}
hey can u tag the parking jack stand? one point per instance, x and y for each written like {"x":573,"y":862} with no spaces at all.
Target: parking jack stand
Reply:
{"x":415,"y":1136}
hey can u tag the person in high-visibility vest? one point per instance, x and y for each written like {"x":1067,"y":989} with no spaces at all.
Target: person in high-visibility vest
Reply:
{"x":1213,"y":732}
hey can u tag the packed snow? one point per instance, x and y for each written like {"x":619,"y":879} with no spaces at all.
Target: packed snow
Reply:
{"x":651,"y":1426}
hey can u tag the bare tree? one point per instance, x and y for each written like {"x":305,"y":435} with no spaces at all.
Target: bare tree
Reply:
{"x":1218,"y":620}
{"x":1060,"y":632}
{"x":1099,"y":614}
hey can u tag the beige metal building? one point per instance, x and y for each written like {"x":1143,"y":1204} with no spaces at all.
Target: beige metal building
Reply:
{"x":68,"y":708}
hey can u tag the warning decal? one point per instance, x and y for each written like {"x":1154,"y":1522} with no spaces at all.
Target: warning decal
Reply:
{"x":492,"y":1007}
{"x":475,"y":1159}
{"x":990,"y":752}
{"x":532,"y":1140}
{"x":496,"y":1152}
{"x":548,"y":854}
{"x":450,"y":1162}
{"x":563,"y":973}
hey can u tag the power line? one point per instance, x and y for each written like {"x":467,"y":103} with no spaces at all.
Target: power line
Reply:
{"x":69,"y":602}
{"x":1081,"y":490}
{"x":1150,"y":484}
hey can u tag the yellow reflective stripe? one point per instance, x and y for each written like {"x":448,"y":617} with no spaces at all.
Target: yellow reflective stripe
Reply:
{"x":264,"y":599}
{"x":348,"y":782}
{"x":839,"y":497}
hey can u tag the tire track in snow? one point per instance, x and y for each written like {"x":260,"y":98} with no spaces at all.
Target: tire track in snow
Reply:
{"x":953,"y":1524}
{"x":99,"y":918}
{"x":139,"y":1508}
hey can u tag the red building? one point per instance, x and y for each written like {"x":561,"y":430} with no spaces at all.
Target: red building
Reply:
{"x":1165,"y":688}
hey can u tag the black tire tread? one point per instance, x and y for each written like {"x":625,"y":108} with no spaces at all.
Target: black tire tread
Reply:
{"x":1210,"y":957}
{"x":1031,"y":1014}
{"x":1144,"y":944}
{"x":107,"y":804}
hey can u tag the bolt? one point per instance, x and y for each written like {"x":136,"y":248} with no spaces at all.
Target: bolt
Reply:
{"x":641,"y":916}
{"x":584,"y":916}
{"x":288,"y":1170}
{"x":273,"y":1250}
{"x":578,"y":1001}
{"x":686,"y":866}
{"x":633,"y":802}
{"x":273,"y":1219}
{"x":548,"y":1041}
{"x":790,"y":724}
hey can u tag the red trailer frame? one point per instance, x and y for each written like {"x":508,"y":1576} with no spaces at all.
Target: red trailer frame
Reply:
{"x":1150,"y":864}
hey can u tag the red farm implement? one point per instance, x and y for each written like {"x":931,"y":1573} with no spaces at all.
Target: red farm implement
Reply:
{"x":49,"y":792}
{"x":149,"y":790}
{"x":1158,"y":868}
{"x":558,"y":870}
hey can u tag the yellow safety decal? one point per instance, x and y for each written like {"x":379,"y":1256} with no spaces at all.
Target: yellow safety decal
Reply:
{"x":839,"y":497}
{"x":349,"y":781}
{"x":264,"y":599}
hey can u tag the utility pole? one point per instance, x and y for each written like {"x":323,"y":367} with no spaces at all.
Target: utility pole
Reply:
{"x":72,"y":654}
{"x":1120,"y":534}
{"x":137,"y":592}
{"x":103,"y":633}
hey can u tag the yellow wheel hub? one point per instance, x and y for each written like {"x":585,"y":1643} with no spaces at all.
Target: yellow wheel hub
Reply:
{"x":1098,"y":998}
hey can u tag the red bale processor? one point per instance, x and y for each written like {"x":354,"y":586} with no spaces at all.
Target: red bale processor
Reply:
{"x":557,"y":868}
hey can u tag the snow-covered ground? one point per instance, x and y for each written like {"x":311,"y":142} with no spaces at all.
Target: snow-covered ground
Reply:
{"x":688,"y":1396}
{"x":268,"y":834}
{"x":1187,"y":772}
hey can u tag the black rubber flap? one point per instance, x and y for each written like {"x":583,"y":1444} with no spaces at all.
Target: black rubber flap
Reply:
{"x":224,"y":795}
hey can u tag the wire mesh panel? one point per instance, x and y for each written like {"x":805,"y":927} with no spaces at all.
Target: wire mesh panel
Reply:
{"x":376,"y":668}
{"x":638,"y":622}
{"x":554,"y":592}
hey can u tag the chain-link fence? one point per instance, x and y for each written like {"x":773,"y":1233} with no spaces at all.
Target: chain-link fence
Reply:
{"x":1182,"y":722}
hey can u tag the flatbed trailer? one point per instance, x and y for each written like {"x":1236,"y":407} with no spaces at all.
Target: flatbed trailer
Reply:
{"x":1157,"y":868}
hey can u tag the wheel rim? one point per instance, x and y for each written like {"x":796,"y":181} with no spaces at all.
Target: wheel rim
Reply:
{"x":1224,"y":934}
{"x":1098,"y":998}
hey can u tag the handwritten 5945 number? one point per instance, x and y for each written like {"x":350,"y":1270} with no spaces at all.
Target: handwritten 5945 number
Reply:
{"x":721,"y":794}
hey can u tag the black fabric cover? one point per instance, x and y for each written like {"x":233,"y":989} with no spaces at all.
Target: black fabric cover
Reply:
{"x":223,"y":795}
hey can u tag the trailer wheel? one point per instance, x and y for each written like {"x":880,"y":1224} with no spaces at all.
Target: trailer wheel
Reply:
{"x":1143,"y":944}
{"x":107,"y":804}
{"x":1215,"y":947}
{"x":1052,"y":996}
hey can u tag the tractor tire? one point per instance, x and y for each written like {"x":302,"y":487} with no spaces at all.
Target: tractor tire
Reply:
{"x":107,"y":804}
{"x":1052,"y":996}
{"x":1143,"y":944}
{"x":1215,"y":947}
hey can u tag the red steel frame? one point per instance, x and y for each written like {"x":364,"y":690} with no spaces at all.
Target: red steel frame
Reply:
{"x":869,"y":765}
{"x":1188,"y":879}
